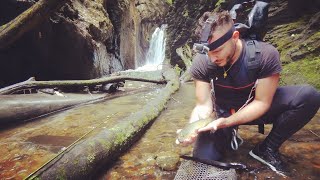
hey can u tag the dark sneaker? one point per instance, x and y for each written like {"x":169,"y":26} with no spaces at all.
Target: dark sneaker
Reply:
{"x":270,"y":158}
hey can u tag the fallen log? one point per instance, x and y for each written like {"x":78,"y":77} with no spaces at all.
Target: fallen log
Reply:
{"x":14,"y":108}
{"x":85,"y":158}
{"x":26,"y":21}
{"x":28,"y":84}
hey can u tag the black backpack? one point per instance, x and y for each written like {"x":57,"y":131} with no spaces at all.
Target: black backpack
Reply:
{"x":250,"y":18}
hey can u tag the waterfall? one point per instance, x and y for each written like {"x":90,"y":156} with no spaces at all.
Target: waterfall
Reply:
{"x":156,"y":51}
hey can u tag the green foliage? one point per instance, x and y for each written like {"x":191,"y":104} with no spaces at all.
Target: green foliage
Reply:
{"x":218,"y":5}
{"x":170,"y":2}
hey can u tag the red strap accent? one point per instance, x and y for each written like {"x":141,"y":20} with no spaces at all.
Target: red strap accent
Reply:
{"x":231,"y":87}
{"x":232,"y":111}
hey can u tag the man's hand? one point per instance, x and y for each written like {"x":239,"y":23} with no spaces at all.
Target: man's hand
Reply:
{"x":188,"y":141}
{"x":213,"y":126}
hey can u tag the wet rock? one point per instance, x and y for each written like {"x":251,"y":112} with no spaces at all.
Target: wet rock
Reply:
{"x":298,"y":8}
{"x":167,"y":161}
{"x":185,"y":150}
{"x":115,"y":175}
{"x":316,"y":161}
{"x":149,"y":159}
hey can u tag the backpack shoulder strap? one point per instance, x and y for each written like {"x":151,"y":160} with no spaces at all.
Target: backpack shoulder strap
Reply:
{"x":253,"y":58}
{"x":253,"y":48}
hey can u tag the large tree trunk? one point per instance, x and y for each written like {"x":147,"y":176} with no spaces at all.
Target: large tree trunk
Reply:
{"x":84,"y":158}
{"x":26,"y":21}
{"x":30,"y":83}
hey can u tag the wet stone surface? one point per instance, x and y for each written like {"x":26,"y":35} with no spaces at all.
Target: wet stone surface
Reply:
{"x":167,"y":161}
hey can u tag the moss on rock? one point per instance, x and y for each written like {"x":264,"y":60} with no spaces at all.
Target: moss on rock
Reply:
{"x":298,"y":40}
{"x":302,"y":72}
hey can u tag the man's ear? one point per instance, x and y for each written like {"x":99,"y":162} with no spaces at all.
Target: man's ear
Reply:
{"x":236,"y":35}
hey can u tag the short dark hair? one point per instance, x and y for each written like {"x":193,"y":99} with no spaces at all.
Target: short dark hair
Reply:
{"x":220,"y":19}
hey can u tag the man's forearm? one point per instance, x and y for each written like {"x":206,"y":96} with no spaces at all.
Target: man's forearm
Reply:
{"x":200,"y":112}
{"x":251,"y":112}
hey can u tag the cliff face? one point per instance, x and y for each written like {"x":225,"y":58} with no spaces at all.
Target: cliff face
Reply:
{"x":181,"y":19}
{"x":90,"y":38}
{"x":85,"y":39}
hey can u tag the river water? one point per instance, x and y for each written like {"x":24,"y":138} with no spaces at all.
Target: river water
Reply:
{"x":26,"y":147}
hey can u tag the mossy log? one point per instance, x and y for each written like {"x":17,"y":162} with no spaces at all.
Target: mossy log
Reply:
{"x":31,"y":83}
{"x":28,"y":20}
{"x":86,"y":157}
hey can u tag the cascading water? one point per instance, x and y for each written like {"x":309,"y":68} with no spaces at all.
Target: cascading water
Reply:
{"x":156,"y":51}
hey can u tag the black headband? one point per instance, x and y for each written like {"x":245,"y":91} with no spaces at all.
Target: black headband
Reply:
{"x":214,"y":45}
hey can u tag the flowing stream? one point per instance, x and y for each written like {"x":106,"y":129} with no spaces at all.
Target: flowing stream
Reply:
{"x":26,"y":147}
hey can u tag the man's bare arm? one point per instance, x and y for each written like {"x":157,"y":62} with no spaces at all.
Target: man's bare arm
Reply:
{"x":203,"y":108}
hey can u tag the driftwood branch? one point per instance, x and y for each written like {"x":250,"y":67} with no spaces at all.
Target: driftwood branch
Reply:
{"x":28,"y":20}
{"x":84,"y":158}
{"x":30,"y":83}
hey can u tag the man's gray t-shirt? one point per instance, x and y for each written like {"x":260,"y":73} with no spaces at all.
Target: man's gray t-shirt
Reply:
{"x":233,"y":91}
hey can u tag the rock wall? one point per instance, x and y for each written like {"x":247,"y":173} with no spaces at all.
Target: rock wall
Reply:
{"x":85,"y":39}
{"x":181,"y":19}
{"x":293,"y":28}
